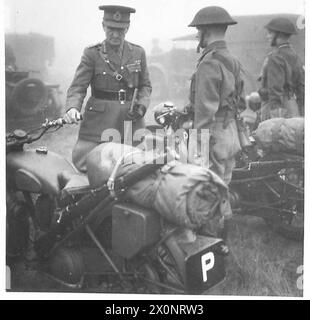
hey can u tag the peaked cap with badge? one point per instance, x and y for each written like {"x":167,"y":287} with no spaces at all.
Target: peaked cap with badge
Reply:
{"x":117,"y":16}
{"x":113,"y":75}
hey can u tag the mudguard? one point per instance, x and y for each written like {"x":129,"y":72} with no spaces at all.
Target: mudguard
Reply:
{"x":36,"y":172}
{"x":200,"y":260}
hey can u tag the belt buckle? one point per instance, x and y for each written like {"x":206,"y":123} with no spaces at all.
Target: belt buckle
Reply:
{"x":122,"y":96}
{"x":118,"y":76}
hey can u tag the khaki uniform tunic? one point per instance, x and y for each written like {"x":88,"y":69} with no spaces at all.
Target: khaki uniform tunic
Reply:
{"x":211,"y":86}
{"x":104,"y":70}
{"x":282,"y":84}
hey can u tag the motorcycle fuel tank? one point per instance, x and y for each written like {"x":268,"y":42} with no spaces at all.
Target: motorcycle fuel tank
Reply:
{"x":133,"y":229}
{"x":35,"y":171}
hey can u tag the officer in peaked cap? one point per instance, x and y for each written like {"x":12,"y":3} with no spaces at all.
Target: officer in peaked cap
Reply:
{"x":282,"y":77}
{"x":114,"y":69}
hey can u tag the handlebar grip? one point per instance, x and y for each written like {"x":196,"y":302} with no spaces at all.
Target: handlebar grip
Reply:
{"x":62,"y":121}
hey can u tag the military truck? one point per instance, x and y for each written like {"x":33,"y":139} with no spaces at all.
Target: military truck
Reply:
{"x":29,"y":96}
{"x":170,"y":72}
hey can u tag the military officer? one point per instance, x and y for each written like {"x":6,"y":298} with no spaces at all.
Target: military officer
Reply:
{"x":114,"y":69}
{"x":282,"y":78}
{"x":214,"y":83}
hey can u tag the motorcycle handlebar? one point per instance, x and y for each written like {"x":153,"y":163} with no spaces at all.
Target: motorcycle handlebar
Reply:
{"x":59,"y":122}
{"x":15,"y":141}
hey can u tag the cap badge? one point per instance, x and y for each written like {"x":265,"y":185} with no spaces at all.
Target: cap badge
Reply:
{"x":117,"y":16}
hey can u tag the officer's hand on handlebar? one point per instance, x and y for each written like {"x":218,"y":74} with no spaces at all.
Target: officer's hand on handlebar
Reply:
{"x":138,"y":112}
{"x":72,"y":116}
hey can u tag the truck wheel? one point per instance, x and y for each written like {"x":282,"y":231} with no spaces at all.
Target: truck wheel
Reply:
{"x":29,"y":97}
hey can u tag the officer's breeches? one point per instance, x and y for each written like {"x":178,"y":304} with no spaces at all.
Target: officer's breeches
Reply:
{"x":80,"y":151}
{"x":83,"y":147}
{"x":224,"y":146}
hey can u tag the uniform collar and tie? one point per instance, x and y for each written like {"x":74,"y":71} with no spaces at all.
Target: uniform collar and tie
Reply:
{"x":119,"y":58}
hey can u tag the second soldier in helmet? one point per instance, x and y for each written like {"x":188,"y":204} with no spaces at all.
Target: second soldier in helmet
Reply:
{"x":282,"y":78}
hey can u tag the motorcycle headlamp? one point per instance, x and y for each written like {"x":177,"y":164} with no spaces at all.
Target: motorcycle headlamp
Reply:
{"x":164,"y":113}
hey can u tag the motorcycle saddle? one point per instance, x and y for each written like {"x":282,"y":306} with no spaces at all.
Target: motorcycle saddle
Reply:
{"x":72,"y":183}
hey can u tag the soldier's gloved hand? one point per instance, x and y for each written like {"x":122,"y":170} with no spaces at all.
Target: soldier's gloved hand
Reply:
{"x":138,"y":112}
{"x":263,"y":93}
{"x":73,"y":115}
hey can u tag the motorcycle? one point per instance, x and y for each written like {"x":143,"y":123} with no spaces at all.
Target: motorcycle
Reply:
{"x":269,"y":186}
{"x":79,"y":233}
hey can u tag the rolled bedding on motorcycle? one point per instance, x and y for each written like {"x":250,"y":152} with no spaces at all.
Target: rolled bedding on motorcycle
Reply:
{"x":184,"y":194}
{"x":281,"y":135}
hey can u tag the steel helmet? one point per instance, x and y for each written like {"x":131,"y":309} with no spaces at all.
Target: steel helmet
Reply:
{"x":283,"y":25}
{"x":212,"y":16}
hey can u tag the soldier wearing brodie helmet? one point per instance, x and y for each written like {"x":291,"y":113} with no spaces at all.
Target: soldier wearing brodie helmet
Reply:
{"x":282,"y":79}
{"x":217,"y":91}
{"x":117,"y":73}
{"x":216,"y":95}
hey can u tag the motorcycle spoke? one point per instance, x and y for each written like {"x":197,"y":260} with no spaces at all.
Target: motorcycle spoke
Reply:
{"x":167,"y":268}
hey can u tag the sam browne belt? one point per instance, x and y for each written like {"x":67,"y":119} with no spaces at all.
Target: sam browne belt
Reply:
{"x":121,"y":95}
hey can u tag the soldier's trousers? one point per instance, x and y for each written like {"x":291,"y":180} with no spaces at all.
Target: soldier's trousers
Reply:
{"x":289,"y":110}
{"x":224,"y":146}
{"x":80,"y":151}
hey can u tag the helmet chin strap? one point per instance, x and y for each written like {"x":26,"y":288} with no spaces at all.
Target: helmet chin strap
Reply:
{"x":201,"y":41}
{"x":274,"y":39}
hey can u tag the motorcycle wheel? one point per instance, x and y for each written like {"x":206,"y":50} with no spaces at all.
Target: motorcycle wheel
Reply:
{"x":66,"y":266}
{"x":17,"y":233}
{"x":288,"y":218}
{"x":150,"y":276}
{"x":17,"y":226}
{"x":172,"y":262}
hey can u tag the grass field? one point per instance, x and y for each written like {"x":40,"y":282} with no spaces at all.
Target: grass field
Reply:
{"x":261,"y":262}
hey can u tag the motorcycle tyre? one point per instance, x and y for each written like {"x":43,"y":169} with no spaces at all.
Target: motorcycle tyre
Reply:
{"x":66,"y":264}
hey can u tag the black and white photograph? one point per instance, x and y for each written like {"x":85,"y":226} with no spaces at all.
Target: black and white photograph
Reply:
{"x":154,"y":147}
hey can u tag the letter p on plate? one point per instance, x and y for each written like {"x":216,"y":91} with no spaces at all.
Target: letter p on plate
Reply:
{"x":207,"y":263}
